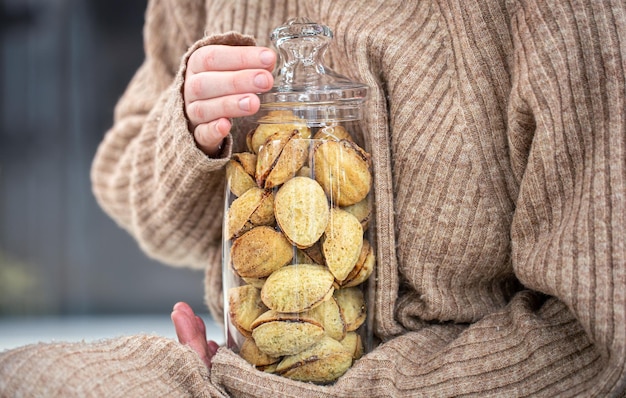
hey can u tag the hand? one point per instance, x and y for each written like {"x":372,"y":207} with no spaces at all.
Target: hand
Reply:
{"x":191,"y":331}
{"x":221,"y":82}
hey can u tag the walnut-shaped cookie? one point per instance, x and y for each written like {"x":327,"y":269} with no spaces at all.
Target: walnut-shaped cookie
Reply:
{"x":259,"y":252}
{"x":324,"y":362}
{"x":278,"y":334}
{"x":301,"y":210}
{"x":343,"y":170}
{"x":240,"y":171}
{"x":244,"y":306}
{"x":297,"y":288}
{"x":254,"y":207}
{"x":363,"y":267}
{"x":342,"y":242}
{"x":280,"y":158}
{"x":352,"y":304}
{"x":276,"y":122}
{"x":354,"y":344}
{"x":253,"y":355}
{"x":362,"y":211}
{"x":330,"y":316}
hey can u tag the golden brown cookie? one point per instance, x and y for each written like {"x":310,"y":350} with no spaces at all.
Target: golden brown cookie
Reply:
{"x":253,"y":207}
{"x":264,"y":213}
{"x":280,"y":158}
{"x":342,"y":242}
{"x":251,"y":353}
{"x":330,"y":316}
{"x":353,"y":343}
{"x":363,"y":268}
{"x":244,"y":306}
{"x":362,"y":211}
{"x":297,"y":288}
{"x":239,"y":175}
{"x":275,"y":123}
{"x":278,"y":334}
{"x":324,"y":362}
{"x":352,"y":304}
{"x":301,"y":210}
{"x":343,"y":170}
{"x":259,"y":252}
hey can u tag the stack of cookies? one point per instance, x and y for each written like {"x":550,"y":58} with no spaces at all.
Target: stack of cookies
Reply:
{"x":295,"y":233}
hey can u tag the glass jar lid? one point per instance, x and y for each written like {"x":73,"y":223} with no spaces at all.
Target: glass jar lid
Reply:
{"x":303,"y":84}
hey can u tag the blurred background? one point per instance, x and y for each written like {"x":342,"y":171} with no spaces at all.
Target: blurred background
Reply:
{"x":67,"y":271}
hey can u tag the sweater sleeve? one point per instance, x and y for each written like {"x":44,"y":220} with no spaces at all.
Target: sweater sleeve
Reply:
{"x":148,"y":174}
{"x":567,"y":106}
{"x":565,"y":334}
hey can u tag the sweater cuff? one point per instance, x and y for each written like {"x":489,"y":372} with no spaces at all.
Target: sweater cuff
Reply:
{"x":143,"y":365}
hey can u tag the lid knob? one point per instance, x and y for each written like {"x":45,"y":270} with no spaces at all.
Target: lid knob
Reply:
{"x":301,"y":46}
{"x":303,"y":83}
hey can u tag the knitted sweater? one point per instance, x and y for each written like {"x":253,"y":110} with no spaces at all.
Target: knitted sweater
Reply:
{"x":498,"y":137}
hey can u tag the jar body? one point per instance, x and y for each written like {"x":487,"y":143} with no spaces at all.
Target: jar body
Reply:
{"x":298,"y":247}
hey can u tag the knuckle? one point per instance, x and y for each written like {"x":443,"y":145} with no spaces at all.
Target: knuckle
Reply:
{"x":240,"y":83}
{"x":209,"y":57}
{"x":195,"y":85}
{"x":196,"y":112}
{"x":193,"y":59}
{"x":243,"y":58}
{"x":231,"y":107}
{"x":200,"y":134}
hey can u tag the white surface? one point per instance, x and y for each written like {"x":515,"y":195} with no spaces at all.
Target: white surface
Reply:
{"x":19,"y":331}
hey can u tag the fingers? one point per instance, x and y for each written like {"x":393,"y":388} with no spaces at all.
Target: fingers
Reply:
{"x":191,"y":331}
{"x":209,"y":136}
{"x":205,"y":111}
{"x":207,"y":85}
{"x":213,"y":347}
{"x":188,"y":311}
{"x":221,"y":83}
{"x":229,"y":58}
{"x":184,"y":307}
{"x":210,"y":97}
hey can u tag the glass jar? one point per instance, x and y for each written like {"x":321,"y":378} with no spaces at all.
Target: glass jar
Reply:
{"x":297,"y":249}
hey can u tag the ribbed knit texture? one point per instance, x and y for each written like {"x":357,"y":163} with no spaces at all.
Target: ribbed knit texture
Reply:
{"x":138,"y":366}
{"x":498,"y":137}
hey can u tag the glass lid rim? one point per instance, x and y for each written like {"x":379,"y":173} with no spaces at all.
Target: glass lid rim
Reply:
{"x":355,"y":92}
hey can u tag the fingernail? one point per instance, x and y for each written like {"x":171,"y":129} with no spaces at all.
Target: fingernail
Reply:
{"x":261,"y":81}
{"x":244,"y":104}
{"x":267,"y":57}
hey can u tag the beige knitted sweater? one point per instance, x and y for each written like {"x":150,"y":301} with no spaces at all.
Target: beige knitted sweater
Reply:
{"x":498,"y":134}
